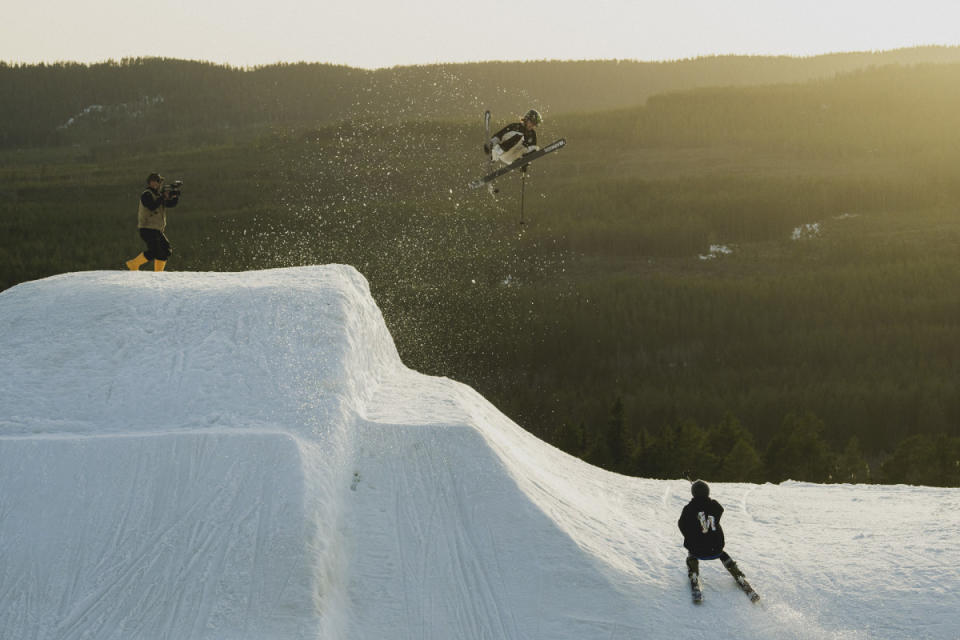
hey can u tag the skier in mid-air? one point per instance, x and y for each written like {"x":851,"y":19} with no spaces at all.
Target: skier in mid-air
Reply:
{"x":515,"y":146}
{"x":703,"y":538}
{"x":515,"y":139}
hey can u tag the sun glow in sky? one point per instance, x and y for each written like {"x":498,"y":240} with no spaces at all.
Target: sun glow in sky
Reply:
{"x":385,"y":33}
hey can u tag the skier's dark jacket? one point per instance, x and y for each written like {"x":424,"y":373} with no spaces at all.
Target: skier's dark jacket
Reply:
{"x":700,"y":543}
{"x":529,"y":137}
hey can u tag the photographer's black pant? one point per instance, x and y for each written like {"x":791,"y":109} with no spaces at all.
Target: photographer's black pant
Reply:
{"x":158,"y":247}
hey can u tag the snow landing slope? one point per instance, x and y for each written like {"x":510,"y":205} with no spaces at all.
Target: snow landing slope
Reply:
{"x":243,"y":455}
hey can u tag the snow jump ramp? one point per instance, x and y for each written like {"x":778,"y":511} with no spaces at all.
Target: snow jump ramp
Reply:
{"x":244,"y":455}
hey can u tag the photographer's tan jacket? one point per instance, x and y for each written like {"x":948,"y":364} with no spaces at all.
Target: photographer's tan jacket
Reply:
{"x":152,"y":219}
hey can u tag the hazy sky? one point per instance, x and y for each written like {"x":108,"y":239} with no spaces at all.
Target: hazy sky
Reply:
{"x":383,"y":33}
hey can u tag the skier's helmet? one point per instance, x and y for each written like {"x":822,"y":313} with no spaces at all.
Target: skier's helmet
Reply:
{"x":533,"y":116}
{"x":700,"y":489}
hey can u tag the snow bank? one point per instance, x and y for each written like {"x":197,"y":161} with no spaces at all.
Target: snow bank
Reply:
{"x":210,"y":455}
{"x":189,"y":350}
{"x":155,"y":535}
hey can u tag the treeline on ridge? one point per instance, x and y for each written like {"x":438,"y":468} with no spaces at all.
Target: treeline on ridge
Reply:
{"x":798,"y":450}
{"x":70,"y":103}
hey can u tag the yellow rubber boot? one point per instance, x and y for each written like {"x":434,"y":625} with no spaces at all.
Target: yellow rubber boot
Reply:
{"x":136,"y":263}
{"x":158,"y":265}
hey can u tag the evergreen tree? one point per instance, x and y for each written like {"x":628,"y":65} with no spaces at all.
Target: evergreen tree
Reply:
{"x":799,"y":452}
{"x":733,"y":446}
{"x":925,"y":460}
{"x":852,"y":466}
{"x":570,"y":438}
{"x":741,"y":464}
{"x":678,"y":449}
{"x":616,"y":443}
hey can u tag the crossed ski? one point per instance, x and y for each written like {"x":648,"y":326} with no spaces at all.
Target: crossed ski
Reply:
{"x":522,"y":161}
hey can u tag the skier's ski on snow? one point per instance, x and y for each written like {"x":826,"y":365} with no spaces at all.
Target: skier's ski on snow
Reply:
{"x":747,"y":589}
{"x":695,"y":589}
{"x":522,"y":161}
{"x":741,"y":579}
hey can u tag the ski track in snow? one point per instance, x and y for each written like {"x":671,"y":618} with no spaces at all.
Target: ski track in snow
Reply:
{"x":226,"y":456}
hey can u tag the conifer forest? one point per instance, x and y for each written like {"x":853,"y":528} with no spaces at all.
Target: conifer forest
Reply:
{"x":739,"y":268}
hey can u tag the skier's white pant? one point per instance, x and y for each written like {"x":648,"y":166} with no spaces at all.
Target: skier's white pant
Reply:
{"x":513,"y":153}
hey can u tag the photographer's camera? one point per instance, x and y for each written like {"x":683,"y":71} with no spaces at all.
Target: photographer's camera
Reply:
{"x":172,"y":189}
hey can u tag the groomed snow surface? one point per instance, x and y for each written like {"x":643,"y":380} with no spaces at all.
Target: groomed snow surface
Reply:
{"x":244,"y":455}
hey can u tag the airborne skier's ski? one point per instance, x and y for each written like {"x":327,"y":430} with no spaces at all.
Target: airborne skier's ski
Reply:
{"x":486,"y":148}
{"x":522,"y":161}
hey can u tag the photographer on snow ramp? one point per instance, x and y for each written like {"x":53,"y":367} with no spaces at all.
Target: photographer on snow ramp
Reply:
{"x":152,"y":221}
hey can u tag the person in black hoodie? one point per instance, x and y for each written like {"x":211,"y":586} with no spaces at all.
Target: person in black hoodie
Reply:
{"x":702,"y":534}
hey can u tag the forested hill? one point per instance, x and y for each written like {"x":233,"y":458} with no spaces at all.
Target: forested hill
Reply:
{"x":68,"y":103}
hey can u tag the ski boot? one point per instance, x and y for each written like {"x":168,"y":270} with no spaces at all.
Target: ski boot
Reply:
{"x":693,"y":573}
{"x":734,"y":570}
